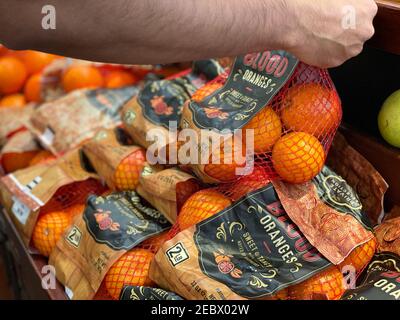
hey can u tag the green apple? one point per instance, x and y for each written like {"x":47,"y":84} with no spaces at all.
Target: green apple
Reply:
{"x":389,"y":119}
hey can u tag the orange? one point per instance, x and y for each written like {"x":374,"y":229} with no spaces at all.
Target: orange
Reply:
{"x":119,"y":78}
{"x":32,"y":88}
{"x":12,"y":75}
{"x":127,"y":174}
{"x":3,"y":50}
{"x":267,"y":129}
{"x":256,"y":180}
{"x":131,"y":269}
{"x":298,"y":157}
{"x":205,"y":91}
{"x":311,"y":108}
{"x":225,"y":168}
{"x":36,"y":61}
{"x":327,"y":284}
{"x":360,"y":256}
{"x":14,"y":161}
{"x":48,"y":230}
{"x":79,"y":77}
{"x":41,"y":157}
{"x":200,"y":206}
{"x":13,"y":100}
{"x":280,"y":295}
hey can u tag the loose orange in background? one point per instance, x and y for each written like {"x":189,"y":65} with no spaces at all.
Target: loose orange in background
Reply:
{"x":32,"y":89}
{"x":298,"y":157}
{"x":119,"y":78}
{"x":228,"y":161}
{"x":48,"y":230}
{"x":12,"y":75}
{"x":128,"y":172}
{"x":131,"y":269}
{"x":267,"y":129}
{"x":13,"y":100}
{"x":41,"y":157}
{"x":360,"y":256}
{"x":328,"y":283}
{"x":79,"y":77}
{"x":35,"y":61}
{"x":311,"y":108}
{"x":200,"y":206}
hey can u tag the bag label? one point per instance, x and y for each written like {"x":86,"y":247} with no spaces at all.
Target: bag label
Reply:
{"x":20,"y":210}
{"x":254,"y":81}
{"x":162,"y":101}
{"x":336,"y":193}
{"x":122,"y":220}
{"x":254,"y":248}
{"x":146,"y":293}
{"x":380,"y":281}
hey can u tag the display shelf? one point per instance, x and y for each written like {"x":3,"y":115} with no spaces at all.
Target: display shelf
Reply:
{"x":383,"y":157}
{"x":27,"y":267}
{"x":387,"y":26}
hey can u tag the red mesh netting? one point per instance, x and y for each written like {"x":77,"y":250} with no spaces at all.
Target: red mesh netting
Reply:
{"x":292,"y":135}
{"x":55,"y":217}
{"x":131,"y":269}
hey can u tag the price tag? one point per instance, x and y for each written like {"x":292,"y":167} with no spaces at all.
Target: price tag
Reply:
{"x":20,"y":210}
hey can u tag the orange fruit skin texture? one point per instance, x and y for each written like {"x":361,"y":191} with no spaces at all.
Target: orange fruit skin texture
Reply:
{"x":328,"y":283}
{"x":35,"y":61}
{"x":131,"y":269}
{"x":79,"y":77}
{"x":298,"y":157}
{"x":360,"y":256}
{"x":311,"y":108}
{"x":119,"y":78}
{"x":32,"y":89}
{"x":13,"y":100}
{"x":75,"y":210}
{"x":12,"y":75}
{"x":15,"y":161}
{"x":267,"y":128}
{"x":41,"y":157}
{"x":127,"y":174}
{"x":224,"y":170}
{"x":200,"y":206}
{"x":48,"y":230}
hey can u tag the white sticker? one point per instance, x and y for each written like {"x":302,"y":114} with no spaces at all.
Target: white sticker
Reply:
{"x":20,"y":210}
{"x":47,"y":137}
{"x":177,"y":254}
{"x":69,"y":293}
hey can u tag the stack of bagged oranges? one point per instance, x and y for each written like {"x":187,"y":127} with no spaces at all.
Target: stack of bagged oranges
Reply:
{"x":290,"y":135}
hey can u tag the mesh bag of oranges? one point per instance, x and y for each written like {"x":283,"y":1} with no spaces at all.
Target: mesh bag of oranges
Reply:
{"x":47,"y":188}
{"x":167,"y":189}
{"x":63,"y":124}
{"x":115,"y":159}
{"x":227,"y":234}
{"x":147,"y":117}
{"x":114,"y":240}
{"x":272,"y":110}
